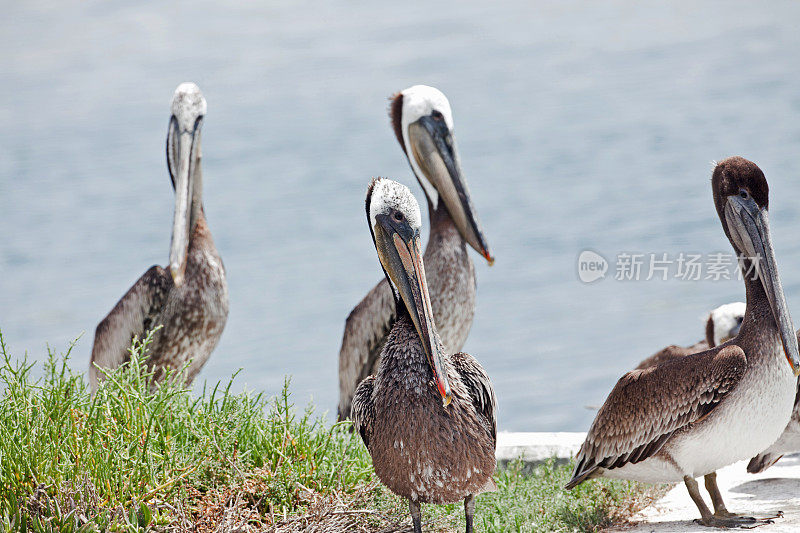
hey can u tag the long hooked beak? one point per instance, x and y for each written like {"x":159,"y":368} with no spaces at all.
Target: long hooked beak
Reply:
{"x":400,"y":253}
{"x":434,"y":148}
{"x":181,"y":155}
{"x":749,"y":227}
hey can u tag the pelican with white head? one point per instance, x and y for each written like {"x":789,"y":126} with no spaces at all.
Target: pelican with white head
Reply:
{"x":425,"y":131}
{"x":183,"y":160}
{"x":185,"y":305}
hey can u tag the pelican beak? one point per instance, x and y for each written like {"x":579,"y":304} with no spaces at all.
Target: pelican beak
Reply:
{"x":749,"y":228}
{"x":400,"y":253}
{"x":434,"y":149}
{"x":182,"y":149}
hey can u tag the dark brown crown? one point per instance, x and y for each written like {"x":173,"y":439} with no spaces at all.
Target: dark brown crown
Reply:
{"x":733,"y":174}
{"x":396,"y":115}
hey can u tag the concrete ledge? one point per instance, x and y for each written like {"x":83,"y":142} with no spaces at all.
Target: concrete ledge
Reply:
{"x":537,"y":447}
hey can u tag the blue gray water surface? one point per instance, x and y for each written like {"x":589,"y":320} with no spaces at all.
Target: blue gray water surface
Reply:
{"x":580,"y":124}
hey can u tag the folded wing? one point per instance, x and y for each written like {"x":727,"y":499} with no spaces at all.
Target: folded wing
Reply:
{"x":647,"y":406}
{"x":365,"y":333}
{"x":479,"y":387}
{"x":133,"y":316}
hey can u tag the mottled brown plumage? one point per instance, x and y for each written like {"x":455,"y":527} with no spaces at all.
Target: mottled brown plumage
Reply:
{"x":450,"y":271}
{"x":422,"y":448}
{"x":188,"y":299}
{"x":453,"y":287}
{"x":687,"y":417}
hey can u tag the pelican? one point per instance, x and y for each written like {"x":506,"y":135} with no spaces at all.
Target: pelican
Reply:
{"x":688,"y":417}
{"x":722,"y":324}
{"x":189,"y":298}
{"x":423,"y":124}
{"x":427,"y":418}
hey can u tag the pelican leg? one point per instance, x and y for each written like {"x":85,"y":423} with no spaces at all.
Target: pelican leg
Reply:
{"x":720,"y":510}
{"x":719,"y":521}
{"x":694,"y":493}
{"x":416,"y":516}
{"x":469,"y":511}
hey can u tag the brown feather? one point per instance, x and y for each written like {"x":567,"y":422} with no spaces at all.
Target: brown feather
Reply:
{"x":396,"y":116}
{"x":647,"y":406}
{"x":422,"y":450}
{"x":193,"y":315}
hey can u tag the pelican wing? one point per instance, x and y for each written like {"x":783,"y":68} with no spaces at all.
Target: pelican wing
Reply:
{"x":134,"y":315}
{"x":672,"y":352}
{"x":647,"y":406}
{"x":479,"y":387}
{"x":363,"y":413}
{"x":365,"y":333}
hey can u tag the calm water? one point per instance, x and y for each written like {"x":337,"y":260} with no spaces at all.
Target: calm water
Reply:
{"x":579,"y":126}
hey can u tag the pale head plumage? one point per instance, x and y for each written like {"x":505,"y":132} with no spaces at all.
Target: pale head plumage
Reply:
{"x":187,"y":105}
{"x":725,"y":319}
{"x":387,"y":195}
{"x":420,"y":101}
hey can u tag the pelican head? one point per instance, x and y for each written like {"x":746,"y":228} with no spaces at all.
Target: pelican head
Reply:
{"x":183,"y":160}
{"x":724,"y":322}
{"x":423,"y":124}
{"x":741,"y":196}
{"x":395,"y":222}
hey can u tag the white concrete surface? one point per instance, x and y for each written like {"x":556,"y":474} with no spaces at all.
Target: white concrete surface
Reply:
{"x":776,"y":489}
{"x":536,"y":447}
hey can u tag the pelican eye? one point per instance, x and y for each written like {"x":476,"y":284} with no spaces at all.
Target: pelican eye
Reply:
{"x":398,"y":216}
{"x":743,"y":194}
{"x":437,"y":115}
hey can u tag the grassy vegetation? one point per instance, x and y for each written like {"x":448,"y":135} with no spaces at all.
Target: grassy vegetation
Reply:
{"x":134,"y":459}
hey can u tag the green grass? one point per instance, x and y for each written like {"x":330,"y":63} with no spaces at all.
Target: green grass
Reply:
{"x":134,"y":459}
{"x":533,"y":501}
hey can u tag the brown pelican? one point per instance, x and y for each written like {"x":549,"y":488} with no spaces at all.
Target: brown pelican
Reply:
{"x":788,"y":442}
{"x":427,"y":418}
{"x":688,"y":417}
{"x":722,"y":325}
{"x":190,"y":297}
{"x":423,"y":124}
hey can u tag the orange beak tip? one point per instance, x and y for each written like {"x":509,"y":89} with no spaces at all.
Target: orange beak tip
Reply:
{"x":447,"y":399}
{"x":489,"y":258}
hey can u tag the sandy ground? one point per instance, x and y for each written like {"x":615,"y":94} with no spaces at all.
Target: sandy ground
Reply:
{"x":776,"y":489}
